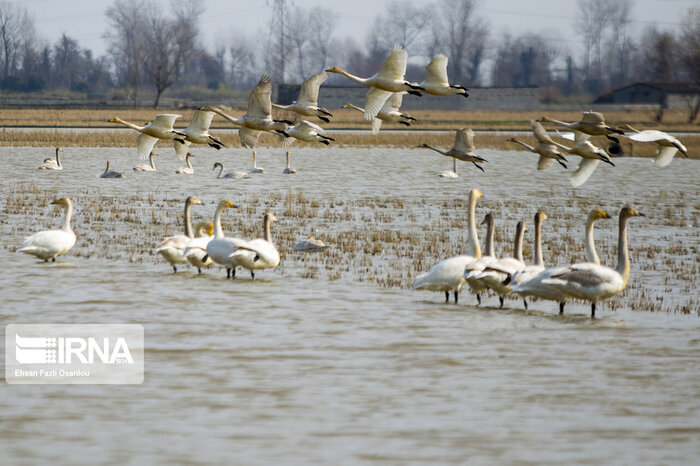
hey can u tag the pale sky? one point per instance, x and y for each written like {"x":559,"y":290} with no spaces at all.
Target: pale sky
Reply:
{"x":84,"y":20}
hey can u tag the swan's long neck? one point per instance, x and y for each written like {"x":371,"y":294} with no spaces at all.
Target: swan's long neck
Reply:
{"x":474,"y":246}
{"x":58,"y":157}
{"x":283,"y":107}
{"x":153,"y":162}
{"x":357,"y":79}
{"x":539,"y":260}
{"x":489,"y":238}
{"x":288,"y":161}
{"x":218,"y":231}
{"x":454,"y":165}
{"x":359,"y":109}
{"x":591,"y":254}
{"x":428,"y":146}
{"x":130,"y":125}
{"x":188,"y":219}
{"x":623,"y":258}
{"x":67,"y":218}
{"x":526,"y":146}
{"x":107,"y":169}
{"x":562,"y":147}
{"x":189,"y":164}
{"x":518,"y":247}
{"x":255,"y":160}
{"x":561,"y":123}
{"x":266,"y":225}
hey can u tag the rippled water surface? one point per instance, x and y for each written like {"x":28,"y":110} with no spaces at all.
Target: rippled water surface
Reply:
{"x":330,"y":358}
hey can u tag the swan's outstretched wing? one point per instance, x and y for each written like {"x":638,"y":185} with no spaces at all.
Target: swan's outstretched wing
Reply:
{"x":394,"y":67}
{"x":649,"y":135}
{"x":309,"y":90}
{"x":181,"y":149}
{"x":249,"y":137}
{"x":436,"y":70}
{"x":665,"y":155}
{"x":201,"y":121}
{"x":540,"y":134}
{"x":393,"y":103}
{"x":580,"y":138}
{"x":544,"y":163}
{"x":145,"y":145}
{"x":164,"y":121}
{"x":259,"y":103}
{"x":464,"y":140}
{"x":584,"y":171}
{"x":376,"y":125}
{"x":375,"y":101}
{"x":568,"y":135}
{"x":593,"y":117}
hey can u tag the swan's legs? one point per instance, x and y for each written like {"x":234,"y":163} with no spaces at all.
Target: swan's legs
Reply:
{"x":228,"y":273}
{"x":199,"y":270}
{"x":174,"y":269}
{"x":501,"y":299}
{"x":478,"y":298}
{"x":525,"y":303}
{"x":447,"y":296}
{"x":561,"y":308}
{"x":252,"y":274}
{"x":456,"y":296}
{"x":53,"y":260}
{"x":592,"y":310}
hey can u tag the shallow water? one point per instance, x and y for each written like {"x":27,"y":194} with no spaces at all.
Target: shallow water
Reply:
{"x":329,"y":370}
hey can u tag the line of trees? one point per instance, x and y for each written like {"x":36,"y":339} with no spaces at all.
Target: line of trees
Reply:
{"x":151,"y":50}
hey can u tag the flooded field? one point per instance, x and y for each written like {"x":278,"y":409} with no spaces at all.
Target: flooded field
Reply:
{"x":331,"y":358}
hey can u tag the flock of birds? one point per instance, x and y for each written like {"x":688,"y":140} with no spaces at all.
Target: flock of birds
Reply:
{"x":588,"y":281}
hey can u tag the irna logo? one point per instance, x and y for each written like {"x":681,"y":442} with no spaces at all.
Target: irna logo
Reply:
{"x":70,"y":350}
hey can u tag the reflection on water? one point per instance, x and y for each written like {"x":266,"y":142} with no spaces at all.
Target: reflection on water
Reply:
{"x":316,"y":369}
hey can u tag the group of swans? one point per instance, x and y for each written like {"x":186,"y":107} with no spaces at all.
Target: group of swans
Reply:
{"x":390,"y":112}
{"x":587,"y":281}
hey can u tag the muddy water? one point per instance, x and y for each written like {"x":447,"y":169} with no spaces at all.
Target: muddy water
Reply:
{"x":330,"y":358}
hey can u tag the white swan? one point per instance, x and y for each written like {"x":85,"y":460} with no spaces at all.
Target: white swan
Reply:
{"x":50,"y":164}
{"x":390,"y":112}
{"x":590,"y":155}
{"x":49,"y":244}
{"x":236,"y":174}
{"x":173,"y":247}
{"x":533,"y":284}
{"x":112,"y":173}
{"x":196,"y":250}
{"x":309,"y":132}
{"x":463,"y":148}
{"x":530,"y":271}
{"x":591,"y":123}
{"x":221,"y":249}
{"x":594,"y":282}
{"x":450,"y":174}
{"x":546,"y":148}
{"x":196,"y":133}
{"x":260,"y":253}
{"x":289,"y":170}
{"x":495,"y":276}
{"x":189,"y":169}
{"x":255,"y":168}
{"x":307,"y":102}
{"x":259,"y":115}
{"x":311,"y":244}
{"x":668,"y":146}
{"x":160,"y":128}
{"x":149,"y":167}
{"x":448,"y":275}
{"x":436,"y":82}
{"x":475,"y":268}
{"x":389,"y":79}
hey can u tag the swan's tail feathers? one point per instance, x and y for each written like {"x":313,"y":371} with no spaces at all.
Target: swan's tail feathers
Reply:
{"x":420,"y":281}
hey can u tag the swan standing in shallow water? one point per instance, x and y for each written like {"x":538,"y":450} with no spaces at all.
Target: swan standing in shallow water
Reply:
{"x":476,"y":267}
{"x":463,"y":148}
{"x":389,"y":79}
{"x":236,"y":174}
{"x":50,"y":164}
{"x":390,"y":112}
{"x":49,"y":244}
{"x":546,"y":148}
{"x":536,"y":285}
{"x":307,"y":102}
{"x":150,"y":167}
{"x":590,"y":155}
{"x":495,"y":276}
{"x":436,"y":82}
{"x":221,"y":249}
{"x":173,"y":247}
{"x":196,"y":250}
{"x":160,"y":128}
{"x":591,"y":123}
{"x":196,"y":133}
{"x":189,"y":169}
{"x":255,"y":168}
{"x":259,"y":115}
{"x":528,"y":272}
{"x":668,"y":146}
{"x":448,"y":275}
{"x":112,"y":173}
{"x":594,"y":282}
{"x":450,"y":174}
{"x":260,"y":253}
{"x":289,"y":170}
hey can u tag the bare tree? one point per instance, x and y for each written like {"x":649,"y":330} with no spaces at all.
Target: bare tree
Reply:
{"x":297,"y":37}
{"x":244,"y":70}
{"x":125,"y":36}
{"x":689,"y":51}
{"x":459,"y":33}
{"x":321,"y":30}
{"x":402,"y":24}
{"x":16,"y":26}
{"x":523,"y":61}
